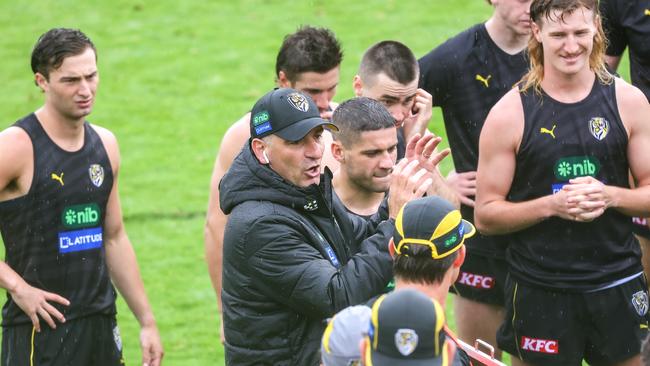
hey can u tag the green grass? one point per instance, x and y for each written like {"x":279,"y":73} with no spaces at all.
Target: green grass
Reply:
{"x":174,"y":76}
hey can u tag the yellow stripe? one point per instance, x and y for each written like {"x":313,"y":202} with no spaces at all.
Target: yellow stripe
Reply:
{"x":450,"y":221}
{"x":440,"y":322}
{"x":375,"y":321}
{"x":366,"y":356}
{"x":326,"y":335}
{"x":398,"y":222}
{"x":31,"y":353}
{"x":445,"y":355}
{"x":643,"y":326}
{"x":514,"y":316}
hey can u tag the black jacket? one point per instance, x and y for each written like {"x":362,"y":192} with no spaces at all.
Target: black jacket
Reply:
{"x":292,"y":257}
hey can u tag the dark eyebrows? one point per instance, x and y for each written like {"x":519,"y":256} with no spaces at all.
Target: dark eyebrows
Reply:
{"x":77,"y":78}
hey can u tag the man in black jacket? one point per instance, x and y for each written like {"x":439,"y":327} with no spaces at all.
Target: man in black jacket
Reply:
{"x":292,"y":254}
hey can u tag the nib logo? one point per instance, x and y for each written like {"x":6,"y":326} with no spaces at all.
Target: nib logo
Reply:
{"x":477,"y":281}
{"x":576,"y":166}
{"x":77,"y":216}
{"x":539,"y":345}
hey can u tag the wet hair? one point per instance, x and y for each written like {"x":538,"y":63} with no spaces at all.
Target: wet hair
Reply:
{"x":358,"y":115}
{"x":543,"y":9}
{"x":419,"y":267}
{"x":393,"y":59}
{"x":308,"y":49}
{"x":55,"y":45}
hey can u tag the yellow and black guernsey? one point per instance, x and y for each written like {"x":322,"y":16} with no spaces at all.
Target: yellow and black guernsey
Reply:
{"x":560,"y":142}
{"x":53,"y":235}
{"x":466,"y":76}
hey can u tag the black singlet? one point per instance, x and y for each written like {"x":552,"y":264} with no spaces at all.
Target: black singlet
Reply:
{"x":53,"y":235}
{"x":562,"y":141}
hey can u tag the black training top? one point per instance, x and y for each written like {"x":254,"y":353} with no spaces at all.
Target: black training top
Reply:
{"x":53,"y":235}
{"x":627,"y":23}
{"x":560,"y":142}
{"x":466,"y":76}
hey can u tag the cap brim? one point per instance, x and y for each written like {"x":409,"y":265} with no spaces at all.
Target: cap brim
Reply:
{"x":469,"y":229}
{"x":298,"y":130}
{"x":379,"y":359}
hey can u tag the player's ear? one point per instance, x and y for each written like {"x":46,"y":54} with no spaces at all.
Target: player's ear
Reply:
{"x":357,"y":85}
{"x":536,"y":31}
{"x":337,"y":151}
{"x":283,"y":81}
{"x":41,"y":81}
{"x":391,"y":248}
{"x":259,"y":150}
{"x":460,"y":258}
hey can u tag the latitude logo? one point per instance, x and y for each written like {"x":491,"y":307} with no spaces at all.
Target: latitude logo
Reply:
{"x":84,"y":215}
{"x":576,"y":166}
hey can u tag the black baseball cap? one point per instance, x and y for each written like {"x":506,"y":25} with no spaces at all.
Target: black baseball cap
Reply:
{"x":406,"y":328}
{"x":287,"y":113}
{"x":430,"y":221}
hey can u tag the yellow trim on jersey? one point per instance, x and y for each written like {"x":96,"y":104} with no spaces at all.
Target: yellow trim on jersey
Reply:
{"x":31,"y":352}
{"x":514,"y":316}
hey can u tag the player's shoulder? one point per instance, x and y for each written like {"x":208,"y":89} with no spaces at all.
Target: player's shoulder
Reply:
{"x":508,"y":110}
{"x":628,"y":94}
{"x":15,"y":140}
{"x":455,"y":48}
{"x":104,"y":133}
{"x":108,"y":139}
{"x":233,"y":141}
{"x":238,"y":131}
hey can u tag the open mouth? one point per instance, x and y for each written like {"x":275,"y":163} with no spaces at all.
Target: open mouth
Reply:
{"x":313,"y":172}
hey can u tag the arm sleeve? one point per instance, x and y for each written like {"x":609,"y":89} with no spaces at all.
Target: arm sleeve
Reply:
{"x":292,"y":271}
{"x":614,"y":31}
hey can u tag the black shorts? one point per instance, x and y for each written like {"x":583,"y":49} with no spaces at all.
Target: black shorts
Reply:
{"x":92,"y":340}
{"x":640,"y":227}
{"x":482,"y":279}
{"x":545,"y":327}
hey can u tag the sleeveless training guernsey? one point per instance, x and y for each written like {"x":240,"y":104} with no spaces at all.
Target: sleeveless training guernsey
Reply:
{"x":53,"y":235}
{"x":560,"y":142}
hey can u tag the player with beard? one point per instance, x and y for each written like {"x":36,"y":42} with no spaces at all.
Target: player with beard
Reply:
{"x":309,"y":61}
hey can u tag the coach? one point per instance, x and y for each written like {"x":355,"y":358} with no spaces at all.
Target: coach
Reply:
{"x":292,"y":255}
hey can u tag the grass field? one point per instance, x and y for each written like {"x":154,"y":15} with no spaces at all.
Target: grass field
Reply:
{"x":174,"y":76}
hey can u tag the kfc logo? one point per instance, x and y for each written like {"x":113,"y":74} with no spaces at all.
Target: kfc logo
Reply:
{"x":477,"y":281}
{"x":539,"y":345}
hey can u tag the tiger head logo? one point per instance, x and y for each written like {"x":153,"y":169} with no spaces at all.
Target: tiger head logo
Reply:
{"x":298,"y":101}
{"x":599,"y":128}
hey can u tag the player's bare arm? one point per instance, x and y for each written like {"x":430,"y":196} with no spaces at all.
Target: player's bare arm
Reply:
{"x":122,"y":264}
{"x":634,"y":110}
{"x":16,"y":172}
{"x":231,"y":144}
{"x":498,"y":146}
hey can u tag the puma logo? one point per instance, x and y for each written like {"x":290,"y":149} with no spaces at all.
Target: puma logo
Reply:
{"x":550,"y":132}
{"x":647,"y":12}
{"x":485,"y":81}
{"x":58,"y":178}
